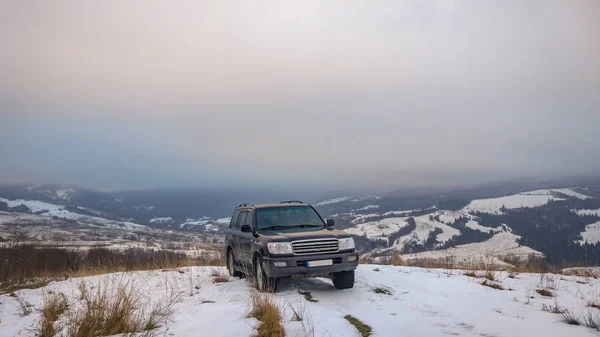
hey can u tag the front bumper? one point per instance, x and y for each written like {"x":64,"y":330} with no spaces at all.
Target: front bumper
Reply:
{"x":297,"y":265}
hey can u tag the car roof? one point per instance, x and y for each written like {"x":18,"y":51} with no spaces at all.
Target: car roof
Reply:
{"x":281,"y":204}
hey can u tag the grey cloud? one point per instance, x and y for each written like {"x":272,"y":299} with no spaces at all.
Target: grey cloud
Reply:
{"x":342,"y":93}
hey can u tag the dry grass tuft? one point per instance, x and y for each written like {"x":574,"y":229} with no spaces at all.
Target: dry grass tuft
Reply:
{"x":471,"y":273}
{"x":492,"y":285}
{"x":555,"y":309}
{"x":54,"y":306}
{"x":25,"y":308}
{"x":569,"y":318}
{"x":544,"y":292}
{"x":115,"y":307}
{"x":591,"y":320}
{"x":267,"y":312}
{"x":593,"y":304}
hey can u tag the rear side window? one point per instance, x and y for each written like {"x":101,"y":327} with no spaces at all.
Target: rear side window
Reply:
{"x":234,"y":220}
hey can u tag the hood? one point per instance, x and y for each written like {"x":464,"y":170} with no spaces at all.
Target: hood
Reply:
{"x":294,"y":234}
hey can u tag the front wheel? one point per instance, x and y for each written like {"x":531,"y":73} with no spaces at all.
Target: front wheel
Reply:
{"x":264,"y":284}
{"x":343,"y":279}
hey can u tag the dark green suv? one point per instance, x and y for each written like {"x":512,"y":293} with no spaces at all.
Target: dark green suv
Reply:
{"x":289,"y":239}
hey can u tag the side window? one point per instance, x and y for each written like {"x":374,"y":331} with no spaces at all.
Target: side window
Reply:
{"x":241,"y":220}
{"x":234,"y":220}
{"x":248,"y":219}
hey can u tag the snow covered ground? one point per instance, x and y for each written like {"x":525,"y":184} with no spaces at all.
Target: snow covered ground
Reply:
{"x":419,"y":302}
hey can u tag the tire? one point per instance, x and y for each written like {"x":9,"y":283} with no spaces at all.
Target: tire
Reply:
{"x":343,"y":279}
{"x":264,"y":284}
{"x":231,"y":265}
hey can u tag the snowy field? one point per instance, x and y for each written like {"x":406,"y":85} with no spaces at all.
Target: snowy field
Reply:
{"x":410,"y":302}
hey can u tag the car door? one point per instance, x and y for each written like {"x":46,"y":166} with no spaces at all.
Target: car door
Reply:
{"x":232,"y":235}
{"x":246,"y":238}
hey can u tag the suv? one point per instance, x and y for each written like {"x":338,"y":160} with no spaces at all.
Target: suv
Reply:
{"x":289,"y":239}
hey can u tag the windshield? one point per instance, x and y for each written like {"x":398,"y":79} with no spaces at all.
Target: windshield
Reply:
{"x":289,"y":216}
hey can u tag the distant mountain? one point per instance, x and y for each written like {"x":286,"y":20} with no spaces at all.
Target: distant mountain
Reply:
{"x":558,"y":218}
{"x":180,"y":205}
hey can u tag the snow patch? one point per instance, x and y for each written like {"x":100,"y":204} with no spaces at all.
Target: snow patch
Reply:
{"x":333,"y":201}
{"x":591,"y":233}
{"x":161,"y":220}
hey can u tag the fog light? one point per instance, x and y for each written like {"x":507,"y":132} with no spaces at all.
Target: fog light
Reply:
{"x":279,"y":264}
{"x":352,"y":258}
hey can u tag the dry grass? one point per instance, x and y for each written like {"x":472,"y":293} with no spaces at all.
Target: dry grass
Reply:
{"x":591,"y":320}
{"x":555,"y":309}
{"x":570,"y":318}
{"x":583,"y":272}
{"x":544,"y":292}
{"x":25,"y":308}
{"x":593,"y":304}
{"x":30,"y":266}
{"x":115,"y":307}
{"x":496,"y":286}
{"x":267,"y":312}
{"x":54,"y":306}
{"x":471,"y":273}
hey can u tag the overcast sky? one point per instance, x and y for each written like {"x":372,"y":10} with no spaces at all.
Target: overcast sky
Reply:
{"x":140,"y":94}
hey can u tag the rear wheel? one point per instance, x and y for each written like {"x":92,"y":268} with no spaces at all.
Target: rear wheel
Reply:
{"x":231,"y":265}
{"x":264,"y":284}
{"x":343,"y":279}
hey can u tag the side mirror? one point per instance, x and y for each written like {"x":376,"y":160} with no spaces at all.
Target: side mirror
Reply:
{"x":330,"y":223}
{"x":246,"y":229}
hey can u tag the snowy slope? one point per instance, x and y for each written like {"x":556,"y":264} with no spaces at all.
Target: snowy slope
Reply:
{"x":422,"y":302}
{"x":425,"y":226}
{"x":51,"y":210}
{"x":501,"y":244}
{"x":591,"y":233}
{"x":567,"y":191}
{"x":377,"y":229}
{"x":525,"y":199}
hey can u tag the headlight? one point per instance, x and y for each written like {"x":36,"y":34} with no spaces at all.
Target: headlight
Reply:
{"x":280,"y":248}
{"x":346,"y":244}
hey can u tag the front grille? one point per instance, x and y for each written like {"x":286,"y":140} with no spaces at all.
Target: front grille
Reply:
{"x":318,"y":246}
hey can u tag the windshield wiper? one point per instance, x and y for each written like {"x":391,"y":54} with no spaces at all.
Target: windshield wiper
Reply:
{"x":274,"y":227}
{"x":306,"y":226}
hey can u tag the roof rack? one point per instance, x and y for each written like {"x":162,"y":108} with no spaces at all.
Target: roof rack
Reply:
{"x":292,"y":202}
{"x":245,"y":205}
